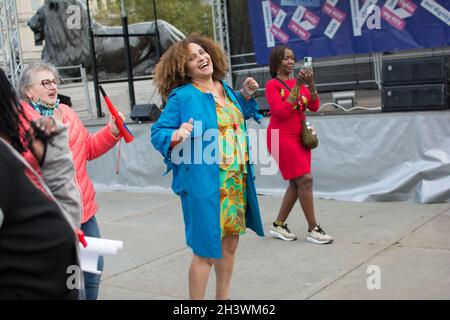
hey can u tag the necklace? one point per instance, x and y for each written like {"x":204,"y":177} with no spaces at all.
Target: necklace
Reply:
{"x":214,"y":92}
{"x":205,"y":89}
{"x":223,"y":106}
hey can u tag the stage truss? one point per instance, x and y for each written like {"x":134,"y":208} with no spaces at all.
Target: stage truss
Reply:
{"x":10,"y":49}
{"x":220,"y":22}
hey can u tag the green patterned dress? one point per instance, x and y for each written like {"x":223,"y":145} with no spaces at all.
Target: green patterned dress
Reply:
{"x":233,"y":169}
{"x":233,"y":158}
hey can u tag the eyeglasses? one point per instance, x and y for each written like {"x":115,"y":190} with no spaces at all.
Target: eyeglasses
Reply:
{"x":47,"y":83}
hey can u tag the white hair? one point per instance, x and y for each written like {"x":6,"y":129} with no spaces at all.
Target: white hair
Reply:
{"x":26,"y":78}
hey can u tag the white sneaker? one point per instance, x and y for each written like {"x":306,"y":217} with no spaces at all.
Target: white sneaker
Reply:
{"x":317,"y":235}
{"x":282,"y":232}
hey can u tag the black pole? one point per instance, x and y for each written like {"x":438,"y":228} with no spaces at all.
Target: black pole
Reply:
{"x":158,"y":42}
{"x":100,"y":114}
{"x":126,"y":40}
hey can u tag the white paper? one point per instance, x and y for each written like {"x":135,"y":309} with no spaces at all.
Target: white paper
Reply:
{"x":102,"y":247}
{"x":97,"y":247}
{"x":89,"y":263}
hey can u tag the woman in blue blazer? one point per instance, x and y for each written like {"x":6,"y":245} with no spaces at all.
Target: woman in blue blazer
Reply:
{"x":203,"y":138}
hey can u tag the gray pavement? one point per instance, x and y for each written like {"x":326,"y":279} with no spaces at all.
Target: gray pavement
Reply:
{"x":401,"y":249}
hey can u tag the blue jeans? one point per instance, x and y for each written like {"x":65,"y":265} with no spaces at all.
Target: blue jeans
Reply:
{"x":92,"y":281}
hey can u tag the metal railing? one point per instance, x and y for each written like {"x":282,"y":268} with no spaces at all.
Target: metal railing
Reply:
{"x":75,"y":81}
{"x":375,"y":59}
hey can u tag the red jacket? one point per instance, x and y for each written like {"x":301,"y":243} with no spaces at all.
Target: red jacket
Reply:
{"x":84,"y":146}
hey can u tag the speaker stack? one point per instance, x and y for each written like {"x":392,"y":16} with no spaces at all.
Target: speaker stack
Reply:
{"x":416,"y":84}
{"x":145,"y":113}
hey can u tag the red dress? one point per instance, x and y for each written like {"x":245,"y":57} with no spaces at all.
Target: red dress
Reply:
{"x":292,"y":158}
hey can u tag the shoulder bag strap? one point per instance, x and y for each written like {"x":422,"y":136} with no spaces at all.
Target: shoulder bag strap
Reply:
{"x":284,"y":84}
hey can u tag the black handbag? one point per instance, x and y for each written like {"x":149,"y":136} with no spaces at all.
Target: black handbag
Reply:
{"x":309,"y":135}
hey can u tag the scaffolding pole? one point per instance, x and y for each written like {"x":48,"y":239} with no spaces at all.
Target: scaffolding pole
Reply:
{"x":10,"y":49}
{"x":220,"y":22}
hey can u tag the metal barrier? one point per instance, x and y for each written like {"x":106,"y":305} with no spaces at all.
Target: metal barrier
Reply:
{"x":366,"y":70}
{"x":84,"y":84}
{"x":373,"y":61}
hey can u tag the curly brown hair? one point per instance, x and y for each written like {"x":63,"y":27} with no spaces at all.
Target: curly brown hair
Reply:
{"x":171,"y":70}
{"x":276,"y":56}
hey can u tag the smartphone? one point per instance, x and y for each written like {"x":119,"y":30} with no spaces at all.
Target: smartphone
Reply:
{"x":307,"y":63}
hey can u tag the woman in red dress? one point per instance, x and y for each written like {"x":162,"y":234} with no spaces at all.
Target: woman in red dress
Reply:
{"x":288,"y":99}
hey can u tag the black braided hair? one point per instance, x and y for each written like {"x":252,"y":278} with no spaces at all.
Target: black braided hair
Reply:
{"x":12,"y":117}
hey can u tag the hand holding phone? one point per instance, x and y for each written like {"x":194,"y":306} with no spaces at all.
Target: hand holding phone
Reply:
{"x":307,"y":63}
{"x":306,"y":75}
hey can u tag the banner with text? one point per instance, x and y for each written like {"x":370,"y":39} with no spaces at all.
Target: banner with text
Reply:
{"x":323,"y":28}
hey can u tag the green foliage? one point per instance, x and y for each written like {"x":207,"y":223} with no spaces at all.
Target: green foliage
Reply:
{"x":187,"y":15}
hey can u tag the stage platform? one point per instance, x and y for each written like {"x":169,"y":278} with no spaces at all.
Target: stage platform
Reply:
{"x":370,"y":156}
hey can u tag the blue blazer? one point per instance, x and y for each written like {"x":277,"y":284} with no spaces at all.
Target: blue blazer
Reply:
{"x":194,"y":180}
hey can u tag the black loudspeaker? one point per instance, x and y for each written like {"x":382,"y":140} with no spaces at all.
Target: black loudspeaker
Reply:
{"x":145,"y":112}
{"x":415,"y":71}
{"x":65,"y":100}
{"x":415,"y":98}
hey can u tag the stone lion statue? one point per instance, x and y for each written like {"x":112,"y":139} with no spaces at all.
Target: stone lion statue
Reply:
{"x":63,"y":24}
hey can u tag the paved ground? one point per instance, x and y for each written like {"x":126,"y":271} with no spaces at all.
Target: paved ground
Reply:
{"x":407,"y":245}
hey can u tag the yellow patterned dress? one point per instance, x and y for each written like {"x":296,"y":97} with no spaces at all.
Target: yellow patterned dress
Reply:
{"x":232,"y":168}
{"x":233,"y":158}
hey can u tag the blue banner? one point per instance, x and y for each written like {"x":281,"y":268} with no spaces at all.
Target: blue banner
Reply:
{"x":306,"y":3}
{"x":343,"y":27}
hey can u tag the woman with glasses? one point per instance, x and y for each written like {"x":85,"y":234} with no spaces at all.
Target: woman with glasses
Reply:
{"x":34,"y":228}
{"x":38,"y":86}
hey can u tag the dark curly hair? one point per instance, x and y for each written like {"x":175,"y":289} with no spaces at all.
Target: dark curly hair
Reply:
{"x":171,"y":70}
{"x":12,"y":117}
{"x":276,"y":56}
